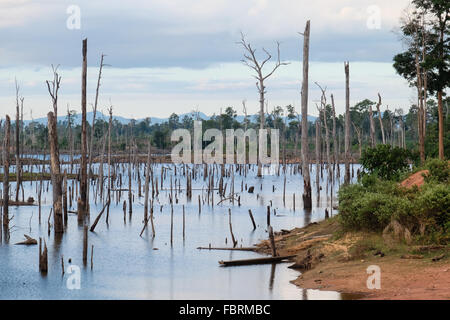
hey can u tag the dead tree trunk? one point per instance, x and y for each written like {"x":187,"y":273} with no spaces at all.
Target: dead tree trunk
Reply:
{"x":17,"y":132}
{"x":381,"y":120}
{"x":85,"y":244}
{"x":91,"y":145}
{"x":231,"y":229}
{"x":109,"y":163}
{"x":55,"y":174}
{"x":323,"y":102}
{"x":65,"y":198}
{"x":69,"y":124}
{"x":43,"y":260}
{"x":146,"y":188}
{"x":317,"y":149}
{"x":252,"y":62}
{"x":373,"y":142}
{"x":307,"y":202}
{"x":347,"y":123}
{"x":335,"y":142}
{"x":6,"y":146}
{"x":100,"y":185}
{"x":82,"y":209}
{"x":358,"y":133}
{"x":130,"y":194}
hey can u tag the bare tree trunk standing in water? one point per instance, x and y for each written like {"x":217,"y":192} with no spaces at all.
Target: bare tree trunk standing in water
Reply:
{"x":6,"y":146}
{"x":323,"y":107}
{"x":335,"y":143}
{"x":109,"y":163}
{"x":251,"y":61}
{"x":55,"y":174}
{"x":347,"y":123}
{"x":91,"y":145}
{"x":69,"y":125}
{"x":83,"y":205}
{"x":18,"y":167}
{"x":317,"y":149}
{"x":307,"y":202}
{"x":373,"y":143}
{"x":381,"y":120}
{"x":53,"y":88}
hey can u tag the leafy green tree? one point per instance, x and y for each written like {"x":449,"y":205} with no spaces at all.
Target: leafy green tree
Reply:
{"x":385,"y":161}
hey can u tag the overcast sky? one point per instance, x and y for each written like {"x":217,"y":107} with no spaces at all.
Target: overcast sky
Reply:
{"x":179,"y":55}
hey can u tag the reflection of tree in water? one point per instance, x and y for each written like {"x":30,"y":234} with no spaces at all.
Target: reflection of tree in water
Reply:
{"x":307,"y":217}
{"x":272,"y":276}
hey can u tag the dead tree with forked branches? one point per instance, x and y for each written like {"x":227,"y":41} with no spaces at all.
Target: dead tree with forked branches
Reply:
{"x":53,"y":88}
{"x":335,"y":142}
{"x":251,"y":61}
{"x":323,"y":111}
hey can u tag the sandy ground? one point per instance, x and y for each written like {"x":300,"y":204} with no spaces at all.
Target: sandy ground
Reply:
{"x":401,"y":279}
{"x":330,"y":266}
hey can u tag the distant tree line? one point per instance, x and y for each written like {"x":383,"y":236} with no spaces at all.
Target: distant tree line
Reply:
{"x":399,"y":129}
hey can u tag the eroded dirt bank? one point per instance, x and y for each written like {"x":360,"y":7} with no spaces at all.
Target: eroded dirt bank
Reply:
{"x":332,"y":260}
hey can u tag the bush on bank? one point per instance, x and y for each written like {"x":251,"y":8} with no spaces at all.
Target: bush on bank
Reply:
{"x":372,"y":203}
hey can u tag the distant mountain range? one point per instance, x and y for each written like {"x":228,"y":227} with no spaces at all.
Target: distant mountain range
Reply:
{"x":123,"y":120}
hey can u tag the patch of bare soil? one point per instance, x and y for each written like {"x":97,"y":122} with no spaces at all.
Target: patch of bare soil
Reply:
{"x":339,"y":263}
{"x":416,"y":179}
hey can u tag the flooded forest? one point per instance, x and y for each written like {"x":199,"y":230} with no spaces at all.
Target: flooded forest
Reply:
{"x":96,"y":207}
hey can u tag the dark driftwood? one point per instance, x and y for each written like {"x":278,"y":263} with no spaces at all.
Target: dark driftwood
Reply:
{"x":231,"y":249}
{"x":254,"y":261}
{"x":28,"y":241}
{"x":17,"y":204}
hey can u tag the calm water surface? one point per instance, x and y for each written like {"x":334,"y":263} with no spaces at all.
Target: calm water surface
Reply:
{"x":127,"y":266}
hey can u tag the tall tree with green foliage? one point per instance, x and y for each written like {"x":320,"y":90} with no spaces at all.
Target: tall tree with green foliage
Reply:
{"x":425,"y":63}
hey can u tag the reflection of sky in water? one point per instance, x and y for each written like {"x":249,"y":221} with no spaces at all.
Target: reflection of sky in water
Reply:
{"x":127,"y":267}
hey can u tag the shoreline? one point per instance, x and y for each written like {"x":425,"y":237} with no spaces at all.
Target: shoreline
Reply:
{"x":330,"y":260}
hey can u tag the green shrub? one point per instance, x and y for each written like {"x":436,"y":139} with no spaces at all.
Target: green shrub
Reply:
{"x":439,"y":170}
{"x":373,"y":207}
{"x":433,"y":205}
{"x":385,"y":161}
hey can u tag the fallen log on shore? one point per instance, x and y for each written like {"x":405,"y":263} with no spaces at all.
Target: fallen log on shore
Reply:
{"x":245,"y":262}
{"x":231,"y":249}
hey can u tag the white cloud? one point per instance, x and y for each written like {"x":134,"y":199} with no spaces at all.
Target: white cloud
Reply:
{"x":167,"y":90}
{"x":159,"y":41}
